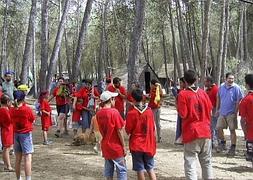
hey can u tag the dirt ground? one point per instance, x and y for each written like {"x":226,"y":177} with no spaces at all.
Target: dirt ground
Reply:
{"x":62,"y":161}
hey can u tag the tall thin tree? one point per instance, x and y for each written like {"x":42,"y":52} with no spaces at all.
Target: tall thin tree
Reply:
{"x":81,"y":40}
{"x":135,"y":39}
{"x":28,"y":44}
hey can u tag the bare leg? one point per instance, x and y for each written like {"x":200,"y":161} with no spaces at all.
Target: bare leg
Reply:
{"x":140,"y":175}
{"x":151,"y":174}
{"x":221,"y":134}
{"x":45,"y":136}
{"x":18,"y":164}
{"x":28,"y":164}
{"x":109,"y":178}
{"x":6,"y":157}
{"x":233,"y":137}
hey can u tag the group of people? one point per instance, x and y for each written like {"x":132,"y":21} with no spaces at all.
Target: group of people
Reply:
{"x":204,"y":114}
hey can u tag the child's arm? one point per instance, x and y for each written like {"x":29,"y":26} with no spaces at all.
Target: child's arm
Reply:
{"x":46,"y":112}
{"x":121,"y":137}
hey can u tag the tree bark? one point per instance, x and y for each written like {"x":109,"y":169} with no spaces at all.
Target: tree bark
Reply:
{"x":81,"y":40}
{"x":67,"y":48}
{"x":225,"y":44}
{"x":135,"y":38}
{"x":57,"y":43}
{"x":3,"y":65}
{"x":44,"y":46}
{"x":175,"y":56}
{"x":205,"y":36}
{"x":28,"y":44}
{"x":221,"y":43}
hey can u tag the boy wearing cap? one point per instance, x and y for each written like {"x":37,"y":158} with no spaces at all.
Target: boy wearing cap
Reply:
{"x":23,"y":119}
{"x":111,"y":126}
{"x":140,"y":125}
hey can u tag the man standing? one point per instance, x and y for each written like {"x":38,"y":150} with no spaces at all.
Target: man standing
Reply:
{"x":212,"y":91}
{"x":8,"y":87}
{"x":120,"y":99}
{"x":194,"y":107}
{"x":228,"y":98}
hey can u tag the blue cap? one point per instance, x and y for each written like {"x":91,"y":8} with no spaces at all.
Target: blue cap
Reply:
{"x":9,"y":72}
{"x":19,"y":95}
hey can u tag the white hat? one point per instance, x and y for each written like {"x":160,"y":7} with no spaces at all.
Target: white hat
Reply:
{"x":106,"y":95}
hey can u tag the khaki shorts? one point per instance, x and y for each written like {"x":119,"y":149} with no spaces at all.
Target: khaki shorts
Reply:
{"x":224,"y":122}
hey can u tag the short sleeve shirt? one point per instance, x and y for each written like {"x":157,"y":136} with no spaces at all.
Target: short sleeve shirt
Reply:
{"x":229,"y":97}
{"x":119,"y":101}
{"x":109,"y":122}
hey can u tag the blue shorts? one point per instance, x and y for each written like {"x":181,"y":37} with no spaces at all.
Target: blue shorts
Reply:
{"x":142,"y":161}
{"x":23,"y":143}
{"x":62,"y":109}
{"x":120,"y":165}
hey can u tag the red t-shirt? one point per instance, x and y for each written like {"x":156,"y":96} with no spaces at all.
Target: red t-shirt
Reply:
{"x":83,"y":93}
{"x":109,"y":122}
{"x":212,"y":94}
{"x":141,"y":127}
{"x":245,"y":110}
{"x":194,"y":107}
{"x":152,"y":103}
{"x":6,"y":126}
{"x":23,"y":119}
{"x":76,"y":116}
{"x":60,"y":100}
{"x":119,"y":101}
{"x":46,"y":120}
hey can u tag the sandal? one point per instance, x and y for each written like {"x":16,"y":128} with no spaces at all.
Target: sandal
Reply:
{"x":9,"y":170}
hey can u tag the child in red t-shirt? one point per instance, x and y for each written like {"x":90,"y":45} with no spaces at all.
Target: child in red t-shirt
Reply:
{"x":6,"y":126}
{"x":111,"y":126}
{"x":140,"y":125}
{"x":46,"y":120}
{"x":245,"y":110}
{"x":76,"y":116}
{"x":23,"y":119}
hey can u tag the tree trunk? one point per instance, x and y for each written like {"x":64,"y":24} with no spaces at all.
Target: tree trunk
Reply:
{"x":67,"y":48}
{"x":221,"y":43}
{"x":28,"y":44}
{"x":135,"y":38}
{"x":225,"y":44}
{"x":175,"y":56}
{"x":81,"y":40}
{"x":205,"y":36}
{"x":165,"y":57}
{"x":3,"y":65}
{"x":57,"y":44}
{"x":44,"y":46}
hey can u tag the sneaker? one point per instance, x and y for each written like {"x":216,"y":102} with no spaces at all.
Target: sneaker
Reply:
{"x":231,"y":152}
{"x":95,"y":149}
{"x":57,"y":133}
{"x":221,"y":148}
{"x":178,"y":141}
{"x":248,"y":157}
{"x":47,"y":142}
{"x":11,"y":152}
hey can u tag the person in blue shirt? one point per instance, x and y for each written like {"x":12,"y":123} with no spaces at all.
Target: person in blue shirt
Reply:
{"x":228,"y":98}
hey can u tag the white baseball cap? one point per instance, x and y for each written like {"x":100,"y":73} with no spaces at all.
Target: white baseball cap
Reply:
{"x":106,"y":95}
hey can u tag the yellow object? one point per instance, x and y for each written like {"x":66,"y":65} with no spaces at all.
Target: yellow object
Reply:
{"x":23,"y":87}
{"x":157,"y":95}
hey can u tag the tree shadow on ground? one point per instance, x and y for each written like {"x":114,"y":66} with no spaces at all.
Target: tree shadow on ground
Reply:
{"x":238,"y":169}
